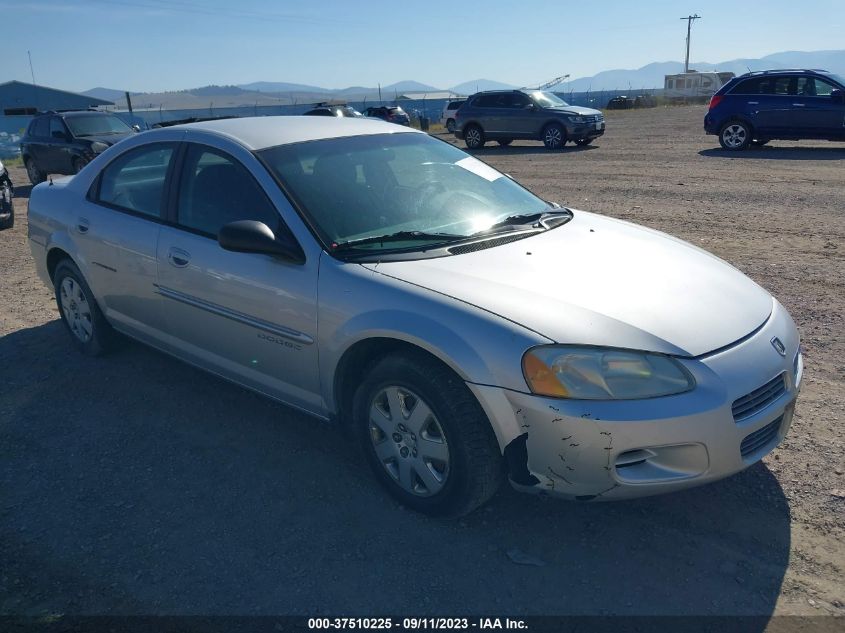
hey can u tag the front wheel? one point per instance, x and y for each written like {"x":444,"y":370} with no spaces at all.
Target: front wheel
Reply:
{"x":426,"y":437}
{"x":78,"y":164}
{"x":80,"y":313}
{"x":35,"y":175}
{"x":474,"y":137}
{"x":554,"y":136}
{"x":735,"y":135}
{"x":504,"y":142}
{"x":759,"y":142}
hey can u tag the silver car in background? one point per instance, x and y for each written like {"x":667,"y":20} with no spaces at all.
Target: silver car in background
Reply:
{"x":462,"y":328}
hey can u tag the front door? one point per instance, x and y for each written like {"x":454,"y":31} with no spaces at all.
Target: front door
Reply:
{"x":249,"y":317}
{"x":819,"y":115}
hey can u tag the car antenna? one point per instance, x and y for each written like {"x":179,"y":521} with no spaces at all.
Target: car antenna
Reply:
{"x":50,"y":178}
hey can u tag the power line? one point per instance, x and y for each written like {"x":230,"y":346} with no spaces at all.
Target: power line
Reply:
{"x":689,"y":20}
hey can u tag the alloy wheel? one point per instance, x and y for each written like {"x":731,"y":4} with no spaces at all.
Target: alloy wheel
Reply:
{"x":409,"y":441}
{"x":553,"y":137}
{"x":735,"y":135}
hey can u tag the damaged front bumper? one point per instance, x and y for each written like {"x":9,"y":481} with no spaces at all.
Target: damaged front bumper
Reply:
{"x":740,"y":410}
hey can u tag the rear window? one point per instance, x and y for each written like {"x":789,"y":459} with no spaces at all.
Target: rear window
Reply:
{"x":454,"y":105}
{"x":40,"y":127}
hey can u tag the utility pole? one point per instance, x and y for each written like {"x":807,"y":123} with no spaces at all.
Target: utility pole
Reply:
{"x":689,"y":20}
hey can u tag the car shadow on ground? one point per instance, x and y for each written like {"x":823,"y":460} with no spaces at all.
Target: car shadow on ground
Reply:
{"x":779,"y":153}
{"x":492,"y":148}
{"x":135,"y":484}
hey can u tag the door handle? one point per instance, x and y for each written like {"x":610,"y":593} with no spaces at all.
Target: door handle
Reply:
{"x":799,"y":105}
{"x":753,"y":103}
{"x":82,"y":225}
{"x":179,"y":258}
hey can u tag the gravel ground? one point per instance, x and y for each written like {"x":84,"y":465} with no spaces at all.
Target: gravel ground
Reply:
{"x":135,"y":484}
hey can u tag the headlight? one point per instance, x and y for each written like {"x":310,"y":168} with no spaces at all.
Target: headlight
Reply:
{"x":577,"y":119}
{"x":98,"y":147}
{"x":587,"y":373}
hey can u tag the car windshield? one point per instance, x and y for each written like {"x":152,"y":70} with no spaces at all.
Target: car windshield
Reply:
{"x":837,"y":78}
{"x":547,"y":99}
{"x":359,"y":187}
{"x":93,"y":125}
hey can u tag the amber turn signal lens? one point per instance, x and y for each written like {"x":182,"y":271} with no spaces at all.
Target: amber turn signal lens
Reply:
{"x":541,"y":379}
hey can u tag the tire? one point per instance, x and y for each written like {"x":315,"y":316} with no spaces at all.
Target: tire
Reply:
{"x":464,"y":466}
{"x":450,"y":126}
{"x":581,"y":142}
{"x":504,"y":142}
{"x":554,"y":136}
{"x":735,"y":136}
{"x":35,"y":175}
{"x":80,"y":313}
{"x":78,"y":163}
{"x":474,"y":137}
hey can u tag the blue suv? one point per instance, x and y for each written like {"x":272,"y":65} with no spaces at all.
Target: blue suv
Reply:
{"x":759,"y":106}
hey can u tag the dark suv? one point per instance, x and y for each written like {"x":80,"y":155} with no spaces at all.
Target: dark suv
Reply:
{"x":505,"y":115}
{"x":64,"y":142}
{"x":786,"y":104}
{"x":391,"y":114}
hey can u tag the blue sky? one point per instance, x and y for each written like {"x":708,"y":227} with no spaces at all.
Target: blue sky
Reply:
{"x":155,"y":45}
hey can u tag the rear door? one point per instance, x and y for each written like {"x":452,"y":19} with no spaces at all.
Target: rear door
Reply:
{"x":777,"y":106}
{"x":117,"y":229}
{"x":520,"y":120}
{"x":249,"y":317}
{"x":39,"y":139}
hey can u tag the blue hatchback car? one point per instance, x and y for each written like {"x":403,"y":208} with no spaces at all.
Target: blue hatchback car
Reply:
{"x":759,"y":106}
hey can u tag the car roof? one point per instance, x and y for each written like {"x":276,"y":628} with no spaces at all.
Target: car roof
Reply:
{"x":786,"y":71}
{"x":258,"y":133}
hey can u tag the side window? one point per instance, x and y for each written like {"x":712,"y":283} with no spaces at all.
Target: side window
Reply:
{"x":784,"y":86}
{"x":41,"y":127}
{"x":135,"y":180}
{"x":216,"y":189}
{"x":823,"y":89}
{"x":57,"y":128}
{"x":517,"y":100}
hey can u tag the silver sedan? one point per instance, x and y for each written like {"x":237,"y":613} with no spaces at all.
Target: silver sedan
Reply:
{"x":461,"y":328}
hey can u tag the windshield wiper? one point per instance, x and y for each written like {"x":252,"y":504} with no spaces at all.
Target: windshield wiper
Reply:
{"x":399,"y":236}
{"x":526,"y":219}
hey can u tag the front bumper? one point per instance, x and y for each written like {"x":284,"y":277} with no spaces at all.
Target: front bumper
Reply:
{"x":580,"y":449}
{"x":587,"y":130}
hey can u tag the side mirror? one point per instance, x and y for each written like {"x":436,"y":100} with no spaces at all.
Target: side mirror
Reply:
{"x":251,"y":236}
{"x":136,"y":127}
{"x":837,"y":95}
{"x":530,"y":106}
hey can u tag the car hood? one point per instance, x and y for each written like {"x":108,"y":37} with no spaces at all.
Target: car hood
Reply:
{"x":108,"y":139}
{"x":571,"y":109}
{"x":600,"y":281}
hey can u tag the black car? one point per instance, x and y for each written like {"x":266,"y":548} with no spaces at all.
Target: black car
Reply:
{"x":621,"y":102}
{"x":505,"y":115}
{"x":64,"y":142}
{"x":334,"y":110}
{"x":391,"y":114}
{"x":777,"y":104}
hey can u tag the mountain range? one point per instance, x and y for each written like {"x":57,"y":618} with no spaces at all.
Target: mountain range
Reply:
{"x":277,"y":93}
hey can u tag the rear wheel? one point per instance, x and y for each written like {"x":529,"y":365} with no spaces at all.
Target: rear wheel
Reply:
{"x":735,"y":135}
{"x":504,"y":142}
{"x":473,"y":137}
{"x":425,"y":436}
{"x":450,"y":125}
{"x":35,"y":175}
{"x":554,"y":136}
{"x":80,"y":313}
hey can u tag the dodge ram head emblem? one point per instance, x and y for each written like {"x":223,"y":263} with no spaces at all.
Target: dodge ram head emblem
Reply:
{"x":779,"y":348}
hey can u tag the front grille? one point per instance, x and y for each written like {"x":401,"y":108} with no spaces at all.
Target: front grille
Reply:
{"x":758,"y":399}
{"x":759,"y":438}
{"x":594,"y":118}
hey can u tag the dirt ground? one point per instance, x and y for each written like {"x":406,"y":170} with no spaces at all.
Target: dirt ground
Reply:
{"x":134,"y":484}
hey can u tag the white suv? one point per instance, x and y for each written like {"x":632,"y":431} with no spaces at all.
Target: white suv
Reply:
{"x":448,"y":116}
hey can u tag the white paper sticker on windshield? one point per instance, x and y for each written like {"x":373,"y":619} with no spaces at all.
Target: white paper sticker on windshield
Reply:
{"x":479,"y":169}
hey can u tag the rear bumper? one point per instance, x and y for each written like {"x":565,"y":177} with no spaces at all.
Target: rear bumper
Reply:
{"x":583,"y":450}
